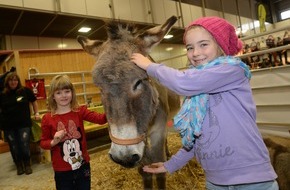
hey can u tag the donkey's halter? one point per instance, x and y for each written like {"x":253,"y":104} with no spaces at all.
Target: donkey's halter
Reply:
{"x":133,"y":141}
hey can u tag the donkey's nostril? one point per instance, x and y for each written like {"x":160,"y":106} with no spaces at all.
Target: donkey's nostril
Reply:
{"x":135,"y":158}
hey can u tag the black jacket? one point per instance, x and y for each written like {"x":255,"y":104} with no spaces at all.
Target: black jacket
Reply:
{"x":15,"y":108}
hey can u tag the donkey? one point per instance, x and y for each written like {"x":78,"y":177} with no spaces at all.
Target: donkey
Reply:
{"x":280,"y":159}
{"x":137,"y":107}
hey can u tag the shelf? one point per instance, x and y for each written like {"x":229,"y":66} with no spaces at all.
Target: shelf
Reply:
{"x":95,"y":127}
{"x":57,"y":73}
{"x":266,"y":87}
{"x":75,"y":83}
{"x":273,"y":105}
{"x":88,"y":93}
{"x":265,"y":33}
{"x":279,"y":125}
{"x":261,"y":52}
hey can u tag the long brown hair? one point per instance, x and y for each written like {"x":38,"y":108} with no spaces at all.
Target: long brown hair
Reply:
{"x":61,"y":82}
{"x":11,"y":76}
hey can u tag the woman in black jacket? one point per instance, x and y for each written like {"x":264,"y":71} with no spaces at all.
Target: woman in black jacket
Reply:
{"x":16,"y":121}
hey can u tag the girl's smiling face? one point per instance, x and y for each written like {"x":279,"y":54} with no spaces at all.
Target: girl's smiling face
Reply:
{"x":63,"y":97}
{"x":201,"y":46}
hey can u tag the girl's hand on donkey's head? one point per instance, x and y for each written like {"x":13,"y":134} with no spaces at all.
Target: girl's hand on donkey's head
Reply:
{"x":155,"y":168}
{"x":140,"y":60}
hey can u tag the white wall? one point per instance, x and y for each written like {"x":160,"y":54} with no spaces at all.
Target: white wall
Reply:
{"x":271,"y":91}
{"x":27,"y":42}
{"x":38,"y":4}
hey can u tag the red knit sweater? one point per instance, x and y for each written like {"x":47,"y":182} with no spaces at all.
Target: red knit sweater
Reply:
{"x":71,"y":152}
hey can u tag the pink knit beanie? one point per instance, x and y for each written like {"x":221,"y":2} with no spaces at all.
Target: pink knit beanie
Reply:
{"x":222,"y":31}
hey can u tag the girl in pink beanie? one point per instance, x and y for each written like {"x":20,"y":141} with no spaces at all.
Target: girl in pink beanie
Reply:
{"x":217,"y":122}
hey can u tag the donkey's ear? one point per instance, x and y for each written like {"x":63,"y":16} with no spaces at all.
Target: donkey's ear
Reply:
{"x":90,"y":46}
{"x":154,"y":35}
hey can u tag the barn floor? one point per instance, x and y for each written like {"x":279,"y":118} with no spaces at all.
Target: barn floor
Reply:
{"x":106,"y":175}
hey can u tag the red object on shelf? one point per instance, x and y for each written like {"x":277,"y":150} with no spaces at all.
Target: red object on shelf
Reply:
{"x":38,"y":88}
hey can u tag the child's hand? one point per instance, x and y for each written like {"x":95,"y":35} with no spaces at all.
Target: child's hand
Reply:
{"x":37,"y":117}
{"x":155,"y":168}
{"x":59,"y":135}
{"x":140,"y":60}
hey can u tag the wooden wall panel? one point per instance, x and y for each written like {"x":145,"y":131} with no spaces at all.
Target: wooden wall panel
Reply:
{"x":53,"y":62}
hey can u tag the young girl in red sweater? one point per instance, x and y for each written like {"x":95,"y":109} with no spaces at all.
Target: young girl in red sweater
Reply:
{"x":63,"y":133}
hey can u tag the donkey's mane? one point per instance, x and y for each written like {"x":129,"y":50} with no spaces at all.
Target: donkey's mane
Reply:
{"x":118,"y":30}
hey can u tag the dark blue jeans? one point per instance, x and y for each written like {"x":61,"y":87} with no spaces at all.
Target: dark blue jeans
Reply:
{"x":19,"y":143}
{"x":79,"y":179}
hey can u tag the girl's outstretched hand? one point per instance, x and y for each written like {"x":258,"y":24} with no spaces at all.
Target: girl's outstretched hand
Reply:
{"x":155,"y":168}
{"x":57,"y":137}
{"x":140,"y":60}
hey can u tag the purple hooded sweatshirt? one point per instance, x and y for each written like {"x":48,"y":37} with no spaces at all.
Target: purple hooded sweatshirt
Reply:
{"x":230,"y":149}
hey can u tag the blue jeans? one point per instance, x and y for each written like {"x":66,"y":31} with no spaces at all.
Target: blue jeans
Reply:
{"x":19,"y":143}
{"x":268,"y":185}
{"x":79,"y":179}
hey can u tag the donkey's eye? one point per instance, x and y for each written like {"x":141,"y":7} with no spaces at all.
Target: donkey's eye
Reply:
{"x":137,"y":85}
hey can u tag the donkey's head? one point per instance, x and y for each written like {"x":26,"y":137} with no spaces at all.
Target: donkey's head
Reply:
{"x":129,"y":100}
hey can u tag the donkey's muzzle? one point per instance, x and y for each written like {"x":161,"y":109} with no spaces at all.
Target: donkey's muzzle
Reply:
{"x":128,"y":161}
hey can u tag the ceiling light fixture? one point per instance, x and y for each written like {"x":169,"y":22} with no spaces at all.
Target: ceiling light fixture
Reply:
{"x":168,"y":36}
{"x":169,"y":49}
{"x":61,"y":46}
{"x":84,"y":29}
